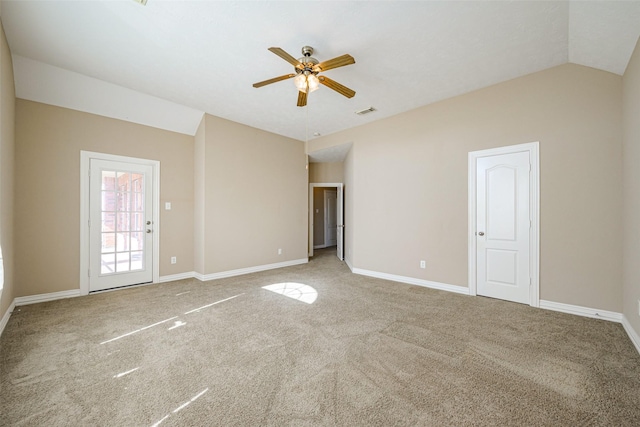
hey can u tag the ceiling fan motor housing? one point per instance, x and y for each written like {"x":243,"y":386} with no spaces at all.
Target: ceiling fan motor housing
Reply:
{"x":307,"y":62}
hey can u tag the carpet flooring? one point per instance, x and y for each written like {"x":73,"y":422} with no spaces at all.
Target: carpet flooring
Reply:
{"x":336,"y":350}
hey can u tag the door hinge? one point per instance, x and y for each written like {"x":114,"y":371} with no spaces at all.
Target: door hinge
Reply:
{"x":89,"y":222}
{"x":89,"y":273}
{"x":529,"y":281}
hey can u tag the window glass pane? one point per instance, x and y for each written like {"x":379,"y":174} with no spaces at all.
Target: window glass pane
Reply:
{"x":108,"y":221}
{"x":123,"y":221}
{"x":137,"y":261}
{"x":122,"y":261}
{"x":108,"y":242}
{"x":137,"y":221}
{"x":124,"y":181}
{"x":108,"y":180}
{"x":122,"y":242}
{"x":124,"y":200}
{"x":136,"y":182}
{"x":107,"y":263}
{"x":137,"y":241}
{"x":138,"y":204}
{"x":108,"y":201}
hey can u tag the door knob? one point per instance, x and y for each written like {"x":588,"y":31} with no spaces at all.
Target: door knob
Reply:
{"x":481,"y":233}
{"x":148,"y":230}
{"x":148,"y":222}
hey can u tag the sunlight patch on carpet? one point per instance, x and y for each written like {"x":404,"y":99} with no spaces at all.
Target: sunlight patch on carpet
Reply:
{"x":299,"y":291}
{"x":122,"y":374}
{"x":181,"y":407}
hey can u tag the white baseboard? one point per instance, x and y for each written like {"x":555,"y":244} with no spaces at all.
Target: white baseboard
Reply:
{"x":179,"y":276}
{"x":35,"y":299}
{"x":7,"y":314}
{"x":633,"y":335}
{"x":248,"y":270}
{"x":595,"y":313}
{"x":412,"y":281}
{"x":346,"y":261}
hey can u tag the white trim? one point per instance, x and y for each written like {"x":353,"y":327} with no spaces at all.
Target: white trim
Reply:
{"x":348,"y":264}
{"x":137,"y":285}
{"x":595,"y":313}
{"x":179,"y":276}
{"x":7,"y":315}
{"x":85,"y":160}
{"x":248,"y":270}
{"x":412,"y":281}
{"x":534,"y":241}
{"x":633,"y":335}
{"x":35,"y":299}
{"x":311,"y":208}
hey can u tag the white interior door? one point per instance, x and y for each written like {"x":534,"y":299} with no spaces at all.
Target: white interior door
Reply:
{"x":330,"y":217}
{"x":503,"y":226}
{"x":340,"y":221}
{"x":120,"y":224}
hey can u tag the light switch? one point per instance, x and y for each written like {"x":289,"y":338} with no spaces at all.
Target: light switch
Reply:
{"x":167,"y":206}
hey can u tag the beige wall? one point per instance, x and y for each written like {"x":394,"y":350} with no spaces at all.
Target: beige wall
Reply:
{"x":255,"y":197}
{"x":7,"y":145}
{"x":349,"y":207}
{"x":631,"y":184}
{"x":199,"y":168}
{"x":326,"y":172}
{"x":407,"y":191}
{"x":47,"y":213}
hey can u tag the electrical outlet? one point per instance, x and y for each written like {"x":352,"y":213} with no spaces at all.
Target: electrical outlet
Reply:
{"x":279,"y":251}
{"x":173,"y":260}
{"x":423,"y":264}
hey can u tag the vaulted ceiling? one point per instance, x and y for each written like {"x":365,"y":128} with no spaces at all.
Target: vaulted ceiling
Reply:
{"x":166,"y":63}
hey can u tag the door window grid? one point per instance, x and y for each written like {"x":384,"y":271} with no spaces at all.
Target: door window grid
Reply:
{"x":122,"y":228}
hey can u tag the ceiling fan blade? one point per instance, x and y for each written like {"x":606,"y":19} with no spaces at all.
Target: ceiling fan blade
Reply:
{"x":341,"y":89}
{"x":302,"y":99}
{"x":284,"y":55}
{"x":273,"y":80}
{"x":340,"y":61}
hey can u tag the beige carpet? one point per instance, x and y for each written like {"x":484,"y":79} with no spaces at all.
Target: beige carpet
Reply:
{"x":366,"y":352}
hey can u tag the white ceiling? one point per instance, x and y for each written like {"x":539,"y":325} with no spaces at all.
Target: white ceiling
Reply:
{"x":166,"y":63}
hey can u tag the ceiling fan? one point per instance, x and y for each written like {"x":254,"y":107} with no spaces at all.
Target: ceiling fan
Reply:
{"x":306,"y":76}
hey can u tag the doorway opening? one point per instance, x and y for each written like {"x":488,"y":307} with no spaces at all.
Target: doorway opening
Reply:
{"x":326,"y":218}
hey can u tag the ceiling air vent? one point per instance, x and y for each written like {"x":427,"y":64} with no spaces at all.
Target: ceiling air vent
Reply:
{"x":365,"y":111}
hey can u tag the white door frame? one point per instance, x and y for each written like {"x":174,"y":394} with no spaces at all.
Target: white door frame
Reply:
{"x":534,"y":205}
{"x":85,"y":161}
{"x":335,"y":185}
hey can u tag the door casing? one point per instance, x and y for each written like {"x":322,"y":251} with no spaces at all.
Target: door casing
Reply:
{"x":85,"y":160}
{"x":534,"y":205}
{"x":339,"y":186}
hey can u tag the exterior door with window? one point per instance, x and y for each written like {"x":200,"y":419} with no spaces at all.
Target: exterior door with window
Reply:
{"x":120,"y":224}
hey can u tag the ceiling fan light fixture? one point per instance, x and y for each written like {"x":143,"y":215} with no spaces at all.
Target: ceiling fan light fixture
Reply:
{"x":313,"y":82}
{"x":301,"y":82}
{"x":306,"y":82}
